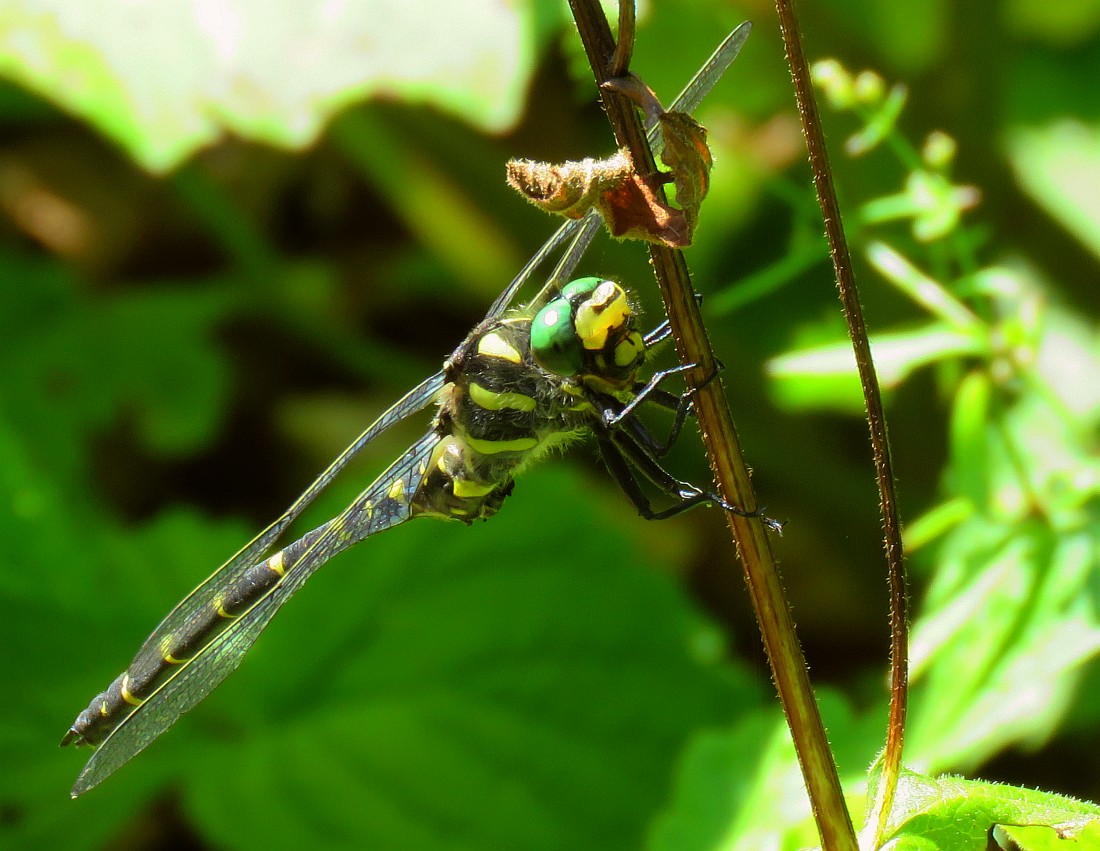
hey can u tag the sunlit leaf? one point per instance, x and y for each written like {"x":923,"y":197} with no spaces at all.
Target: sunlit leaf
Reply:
{"x":163,"y":79}
{"x":952,"y":814}
{"x":826,"y":376}
{"x":1059,"y":166}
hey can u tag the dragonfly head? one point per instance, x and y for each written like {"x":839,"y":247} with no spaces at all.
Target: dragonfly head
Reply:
{"x":589,"y":329}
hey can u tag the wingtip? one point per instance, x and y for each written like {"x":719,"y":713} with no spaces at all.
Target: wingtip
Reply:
{"x":82,"y":785}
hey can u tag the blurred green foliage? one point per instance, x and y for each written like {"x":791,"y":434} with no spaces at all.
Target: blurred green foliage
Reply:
{"x":180,"y":354}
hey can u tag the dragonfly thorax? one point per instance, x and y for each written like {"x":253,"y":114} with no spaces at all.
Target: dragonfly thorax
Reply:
{"x":520,"y":386}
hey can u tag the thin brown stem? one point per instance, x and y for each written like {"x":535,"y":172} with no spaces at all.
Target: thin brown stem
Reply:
{"x":731,"y":474}
{"x":876,"y":419}
{"x":624,"y":47}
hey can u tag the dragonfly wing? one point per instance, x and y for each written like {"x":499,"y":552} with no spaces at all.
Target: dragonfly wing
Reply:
{"x":379,"y":507}
{"x":199,"y":651}
{"x":504,"y":300}
{"x":226,"y":576}
{"x":705,"y":78}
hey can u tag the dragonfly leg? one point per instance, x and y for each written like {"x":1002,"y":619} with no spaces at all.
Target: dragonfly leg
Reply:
{"x":663,"y":331}
{"x":623,"y":455}
{"x":651,"y":392}
{"x":687,"y":496}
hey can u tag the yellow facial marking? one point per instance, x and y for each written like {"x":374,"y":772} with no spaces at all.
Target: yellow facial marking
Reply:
{"x":493,"y":447}
{"x":397,"y":490}
{"x":495,"y":346}
{"x":629,"y":350}
{"x":124,"y":688}
{"x":606,"y":310}
{"x":466,"y":488}
{"x":490,"y":400}
{"x":275,"y":563}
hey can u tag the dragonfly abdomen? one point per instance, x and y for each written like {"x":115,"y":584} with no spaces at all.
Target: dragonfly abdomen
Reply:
{"x":162,"y":655}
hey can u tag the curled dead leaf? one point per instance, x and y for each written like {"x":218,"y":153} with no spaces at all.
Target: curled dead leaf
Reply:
{"x":632,"y":204}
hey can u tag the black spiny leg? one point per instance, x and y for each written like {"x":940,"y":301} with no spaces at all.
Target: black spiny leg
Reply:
{"x":621,"y":472}
{"x":622,"y":455}
{"x":658,"y":335}
{"x":615,"y":416}
{"x":662,"y":331}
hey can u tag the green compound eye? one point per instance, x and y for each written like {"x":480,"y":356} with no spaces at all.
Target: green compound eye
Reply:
{"x":554,"y":341}
{"x":577,"y":321}
{"x":580,"y":288}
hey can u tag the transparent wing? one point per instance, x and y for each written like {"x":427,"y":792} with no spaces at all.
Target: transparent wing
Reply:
{"x":254,"y":551}
{"x":581,"y":233}
{"x":705,"y":78}
{"x":374,"y":510}
{"x":567,"y":231}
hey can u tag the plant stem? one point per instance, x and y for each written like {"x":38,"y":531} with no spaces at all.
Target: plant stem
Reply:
{"x":724,"y":452}
{"x":876,"y":421}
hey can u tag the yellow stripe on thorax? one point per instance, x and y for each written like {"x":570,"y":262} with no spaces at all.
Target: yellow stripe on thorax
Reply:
{"x":495,"y":346}
{"x":492,"y":447}
{"x":466,"y":488}
{"x":491,"y":400}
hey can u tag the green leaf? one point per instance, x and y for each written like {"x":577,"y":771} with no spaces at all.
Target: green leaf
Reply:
{"x":953,"y":814}
{"x":163,"y":80}
{"x":740,"y":788}
{"x":970,"y":439}
{"x":825,"y":376}
{"x":441,"y":687}
{"x":999,"y":650}
{"x":912,"y":36}
{"x":1057,"y":165}
{"x":1068,"y":23}
{"x":73,"y":368}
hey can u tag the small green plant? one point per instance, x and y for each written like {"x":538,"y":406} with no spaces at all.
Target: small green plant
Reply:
{"x":1010,"y":555}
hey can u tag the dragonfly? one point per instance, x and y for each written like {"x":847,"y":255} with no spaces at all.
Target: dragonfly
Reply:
{"x":525,"y":380}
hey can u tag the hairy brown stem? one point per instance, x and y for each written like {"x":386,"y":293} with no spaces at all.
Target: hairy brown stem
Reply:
{"x":876,"y":419}
{"x":731,"y":474}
